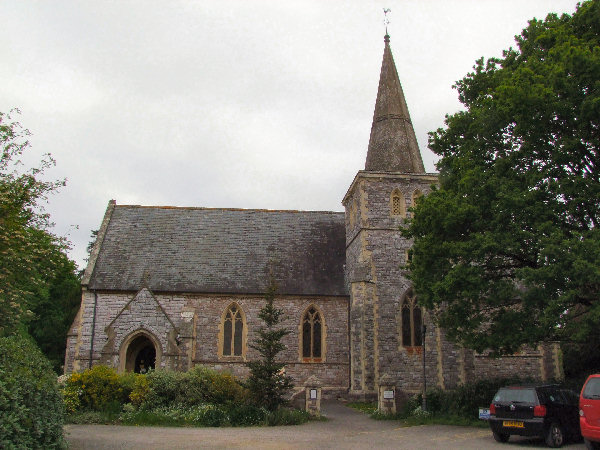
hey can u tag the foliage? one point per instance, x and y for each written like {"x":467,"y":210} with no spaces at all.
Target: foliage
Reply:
{"x":581,"y":359}
{"x":268,"y":382}
{"x":507,"y":250}
{"x":199,"y":397}
{"x":203,"y":385}
{"x":459,"y":406}
{"x":39,"y":288}
{"x":285,"y":416}
{"x":207,"y":415}
{"x":102,"y":389}
{"x":31,"y":409}
{"x":139,"y":393}
{"x":163,"y":389}
{"x":99,"y":388}
{"x":463,"y":401}
{"x":29,"y":253}
{"x":56,"y":304}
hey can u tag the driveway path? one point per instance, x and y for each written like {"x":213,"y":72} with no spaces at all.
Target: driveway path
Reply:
{"x":345,"y":428}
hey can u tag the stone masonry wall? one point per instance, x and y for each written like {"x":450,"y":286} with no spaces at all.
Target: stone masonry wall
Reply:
{"x":375,"y":258}
{"x":188,"y":326}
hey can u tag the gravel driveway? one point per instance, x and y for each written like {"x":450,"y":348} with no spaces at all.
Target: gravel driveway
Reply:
{"x":345,"y":428}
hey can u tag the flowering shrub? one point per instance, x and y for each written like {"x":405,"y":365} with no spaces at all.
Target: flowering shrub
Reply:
{"x":140,"y":390}
{"x":199,"y":397}
{"x":72,"y":398}
{"x":96,"y":388}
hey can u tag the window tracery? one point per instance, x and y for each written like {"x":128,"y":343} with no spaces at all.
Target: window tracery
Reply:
{"x":233,"y":331}
{"x":312,"y":335}
{"x":412,"y":321}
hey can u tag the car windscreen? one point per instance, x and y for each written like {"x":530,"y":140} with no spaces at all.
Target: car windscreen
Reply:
{"x":516,"y":396}
{"x":592,"y":389}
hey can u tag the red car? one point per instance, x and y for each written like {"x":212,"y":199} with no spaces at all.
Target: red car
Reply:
{"x":589,"y":412}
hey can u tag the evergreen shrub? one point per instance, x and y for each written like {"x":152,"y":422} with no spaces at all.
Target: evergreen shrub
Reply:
{"x":203,"y":385}
{"x":31,"y":407}
{"x":164,"y":388}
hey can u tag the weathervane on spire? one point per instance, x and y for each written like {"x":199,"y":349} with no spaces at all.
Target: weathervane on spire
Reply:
{"x":386,"y":20}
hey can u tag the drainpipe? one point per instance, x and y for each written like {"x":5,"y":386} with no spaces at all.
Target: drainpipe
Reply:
{"x":93,"y":329}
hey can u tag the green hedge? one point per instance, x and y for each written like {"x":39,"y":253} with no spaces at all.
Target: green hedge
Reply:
{"x":164,"y":388}
{"x":31,"y":407}
{"x":463,"y":401}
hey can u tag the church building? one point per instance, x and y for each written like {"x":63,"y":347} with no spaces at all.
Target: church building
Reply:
{"x":172,"y":287}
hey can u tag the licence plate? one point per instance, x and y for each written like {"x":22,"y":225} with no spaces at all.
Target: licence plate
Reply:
{"x":512,"y":423}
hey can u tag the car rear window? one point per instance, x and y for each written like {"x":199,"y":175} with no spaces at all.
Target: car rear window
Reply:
{"x":592,"y":388}
{"x":516,"y":395}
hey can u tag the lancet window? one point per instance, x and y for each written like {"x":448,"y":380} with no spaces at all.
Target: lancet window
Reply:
{"x":397,"y":204}
{"x":312,"y":335}
{"x":412,"y":321}
{"x":233,"y":331}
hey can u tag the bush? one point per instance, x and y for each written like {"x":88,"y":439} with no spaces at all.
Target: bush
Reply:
{"x":99,"y":388}
{"x":203,"y":385}
{"x":199,"y":397}
{"x":31,"y":407}
{"x":140,"y":390}
{"x":207,"y":415}
{"x":247,"y":415}
{"x":163,"y":389}
{"x":284,"y":416}
{"x":464,"y":401}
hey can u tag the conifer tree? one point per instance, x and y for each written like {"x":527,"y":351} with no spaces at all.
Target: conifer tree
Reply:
{"x":268,"y":382}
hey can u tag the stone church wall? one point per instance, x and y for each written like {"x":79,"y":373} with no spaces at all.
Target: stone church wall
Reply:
{"x":188,"y":328}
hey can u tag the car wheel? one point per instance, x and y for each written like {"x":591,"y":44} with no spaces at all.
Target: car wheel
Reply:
{"x":591,"y":445}
{"x":555,"y":437}
{"x":501,"y":437}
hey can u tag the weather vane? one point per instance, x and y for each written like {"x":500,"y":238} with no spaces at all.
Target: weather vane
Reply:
{"x":386,"y":20}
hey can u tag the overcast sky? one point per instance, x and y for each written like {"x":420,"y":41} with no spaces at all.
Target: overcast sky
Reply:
{"x":229,"y":104}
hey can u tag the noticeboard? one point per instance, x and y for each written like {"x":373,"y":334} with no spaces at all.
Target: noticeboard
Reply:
{"x":388,"y":395}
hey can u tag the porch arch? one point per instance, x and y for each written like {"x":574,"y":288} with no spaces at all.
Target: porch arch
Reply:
{"x":140,"y":352}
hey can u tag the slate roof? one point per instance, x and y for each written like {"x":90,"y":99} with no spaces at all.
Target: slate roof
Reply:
{"x":220,"y":251}
{"x":393,"y":145}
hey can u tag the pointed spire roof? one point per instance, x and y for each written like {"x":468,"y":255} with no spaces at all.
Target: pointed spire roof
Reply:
{"x":393,"y":145}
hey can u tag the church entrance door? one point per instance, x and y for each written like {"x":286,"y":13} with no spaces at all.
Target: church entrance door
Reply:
{"x":141,"y":355}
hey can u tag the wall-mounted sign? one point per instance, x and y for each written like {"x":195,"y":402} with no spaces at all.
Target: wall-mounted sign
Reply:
{"x":388,"y":395}
{"x":313,"y":394}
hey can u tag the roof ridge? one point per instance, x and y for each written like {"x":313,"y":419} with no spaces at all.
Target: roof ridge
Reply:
{"x":204,"y":208}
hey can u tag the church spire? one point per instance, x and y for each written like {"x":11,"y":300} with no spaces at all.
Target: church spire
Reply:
{"x":393,"y":145}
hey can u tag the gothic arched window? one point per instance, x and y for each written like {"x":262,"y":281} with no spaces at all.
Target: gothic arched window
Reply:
{"x":233,"y":331}
{"x":312,"y":335}
{"x":397,"y":204}
{"x":412,"y":321}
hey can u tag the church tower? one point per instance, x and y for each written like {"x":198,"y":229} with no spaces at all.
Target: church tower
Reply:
{"x":385,"y":321}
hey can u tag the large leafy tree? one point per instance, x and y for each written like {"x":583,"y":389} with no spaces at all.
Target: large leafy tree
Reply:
{"x":56,"y":303}
{"x":36,"y":278}
{"x":507,"y":249}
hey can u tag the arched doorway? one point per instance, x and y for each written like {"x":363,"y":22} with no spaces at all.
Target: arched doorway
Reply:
{"x":141,"y":354}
